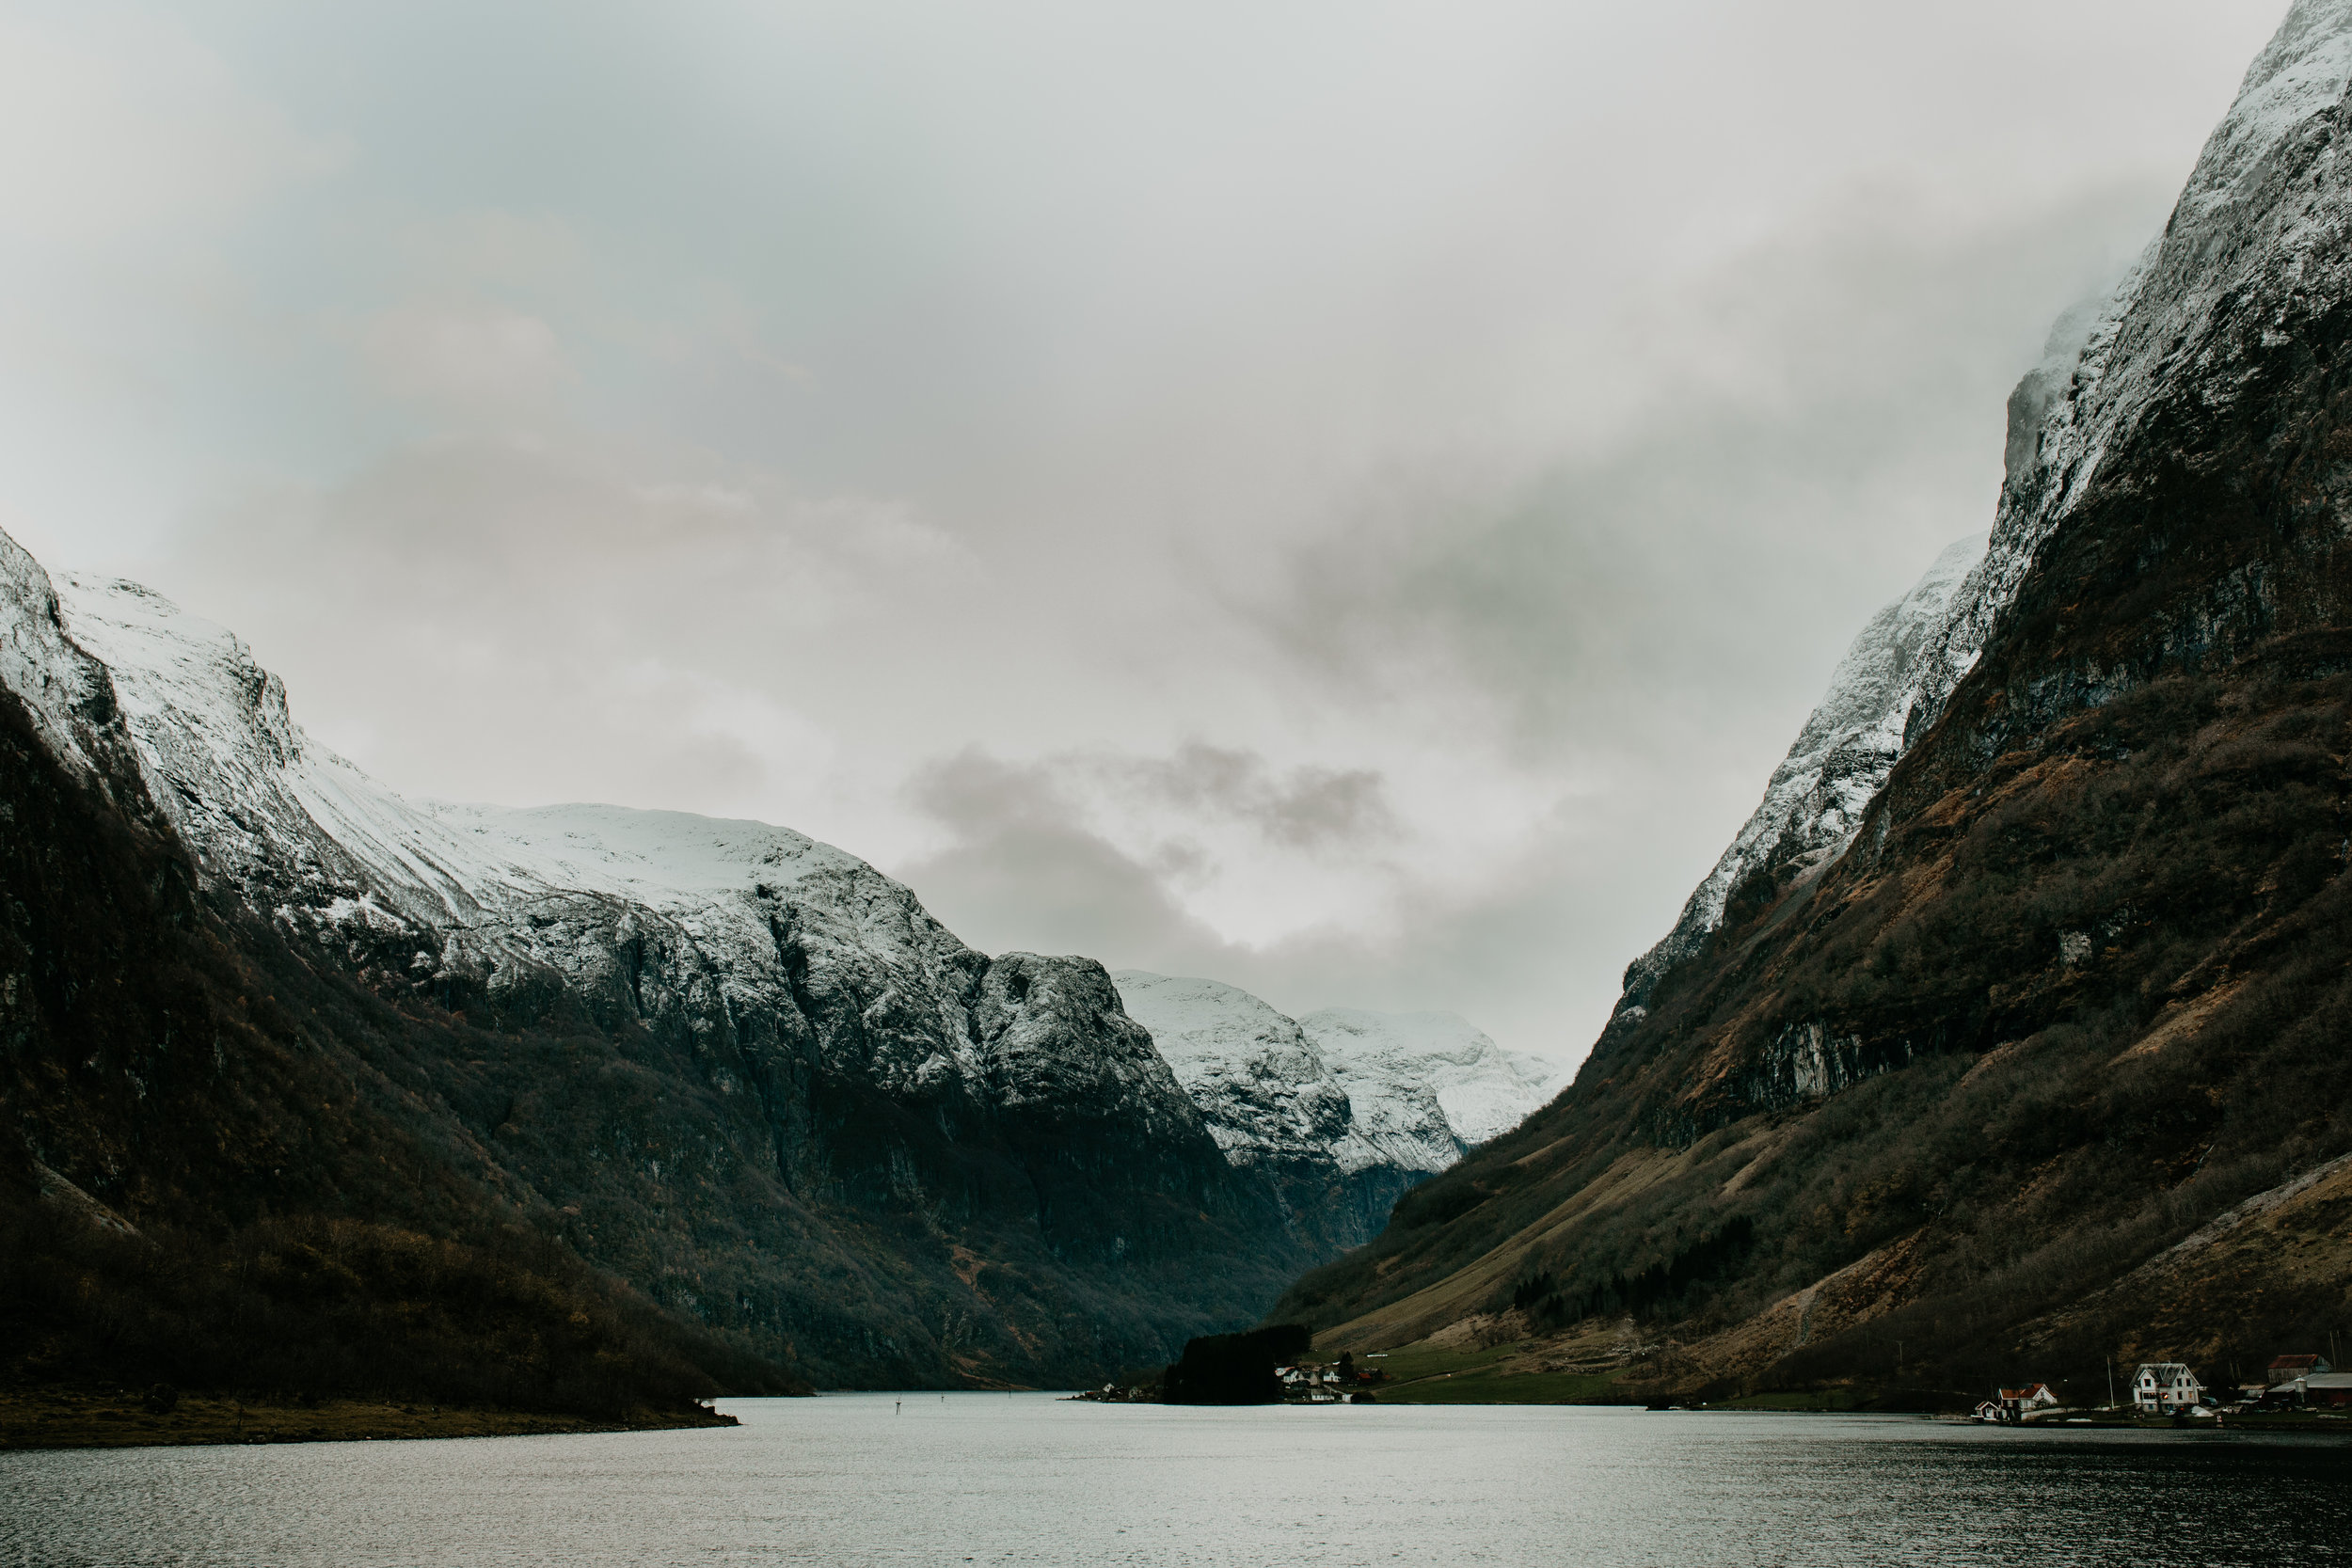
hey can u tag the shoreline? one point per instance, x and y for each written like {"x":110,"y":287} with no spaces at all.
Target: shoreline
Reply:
{"x":62,"y":1418}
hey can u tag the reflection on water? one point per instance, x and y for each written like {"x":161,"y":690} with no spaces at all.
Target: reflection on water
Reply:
{"x":988,"y":1479}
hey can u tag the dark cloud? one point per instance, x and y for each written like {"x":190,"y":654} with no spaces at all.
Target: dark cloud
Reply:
{"x":1024,"y":870}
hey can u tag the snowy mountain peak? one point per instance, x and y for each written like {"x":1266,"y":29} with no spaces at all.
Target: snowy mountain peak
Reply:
{"x":653,"y":915}
{"x":720,"y":925}
{"x":1267,"y":1092}
{"x":67,"y":693}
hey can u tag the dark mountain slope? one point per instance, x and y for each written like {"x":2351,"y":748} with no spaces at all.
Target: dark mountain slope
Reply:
{"x":276,"y":1220}
{"x":2076,"y":986}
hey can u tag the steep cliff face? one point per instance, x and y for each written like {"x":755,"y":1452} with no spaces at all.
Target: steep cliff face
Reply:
{"x":1341,"y":1111}
{"x":737,"y":1068}
{"x":2067,"y":988}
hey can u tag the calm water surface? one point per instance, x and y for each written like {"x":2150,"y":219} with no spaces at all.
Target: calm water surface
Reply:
{"x":987,"y":1478}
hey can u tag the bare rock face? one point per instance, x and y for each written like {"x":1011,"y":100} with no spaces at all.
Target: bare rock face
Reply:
{"x":1342,"y":1110}
{"x":822,"y":1121}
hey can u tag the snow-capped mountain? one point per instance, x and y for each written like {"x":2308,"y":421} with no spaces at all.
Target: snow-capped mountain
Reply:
{"x":653,"y":912}
{"x":2254,"y":247}
{"x":739,"y":1067}
{"x":1342,"y":1109}
{"x":855,"y":1048}
{"x":2100,"y":867}
{"x":2254,"y":255}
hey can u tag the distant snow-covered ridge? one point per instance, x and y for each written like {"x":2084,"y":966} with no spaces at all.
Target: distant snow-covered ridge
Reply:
{"x":1344,"y":1108}
{"x":1387,"y":1061}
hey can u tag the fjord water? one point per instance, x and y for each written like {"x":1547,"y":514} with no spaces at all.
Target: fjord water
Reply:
{"x":1027,"y":1479}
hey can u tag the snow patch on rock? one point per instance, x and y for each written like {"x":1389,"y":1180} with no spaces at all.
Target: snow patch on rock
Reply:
{"x":67,"y":692}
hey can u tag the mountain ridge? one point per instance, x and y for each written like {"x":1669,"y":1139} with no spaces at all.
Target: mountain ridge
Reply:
{"x":2069,"y":988}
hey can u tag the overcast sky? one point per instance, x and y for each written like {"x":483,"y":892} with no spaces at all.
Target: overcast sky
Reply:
{"x":1351,"y":499}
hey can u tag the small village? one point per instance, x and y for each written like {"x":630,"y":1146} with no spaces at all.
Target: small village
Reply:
{"x":1341,"y":1382}
{"x":2172,"y":1389}
{"x":2293,"y":1384}
{"x":1335,"y":1382}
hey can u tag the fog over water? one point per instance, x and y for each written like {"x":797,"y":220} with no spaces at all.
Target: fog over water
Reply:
{"x":874,"y":1479}
{"x":1348,"y":500}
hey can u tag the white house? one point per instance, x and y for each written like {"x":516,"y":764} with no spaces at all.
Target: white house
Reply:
{"x":2165,"y":1387}
{"x":1315,"y":1385}
{"x":2017,"y":1404}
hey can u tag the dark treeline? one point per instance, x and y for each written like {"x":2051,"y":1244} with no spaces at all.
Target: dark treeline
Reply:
{"x":309,"y":1309}
{"x":1663,"y":1284}
{"x":1236,"y":1368}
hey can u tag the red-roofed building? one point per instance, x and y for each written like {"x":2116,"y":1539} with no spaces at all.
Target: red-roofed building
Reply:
{"x":2017,"y":1404}
{"x":2286,"y":1369}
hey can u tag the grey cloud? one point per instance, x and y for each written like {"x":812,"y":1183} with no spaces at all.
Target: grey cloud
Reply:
{"x":1361,"y":520}
{"x":1838,"y":419}
{"x":1024,"y":872}
{"x":1307,"y":808}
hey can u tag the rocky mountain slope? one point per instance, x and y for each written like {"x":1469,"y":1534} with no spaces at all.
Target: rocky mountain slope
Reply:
{"x":1969,"y":1081}
{"x":738,"y":1069}
{"x":1342,"y":1110}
